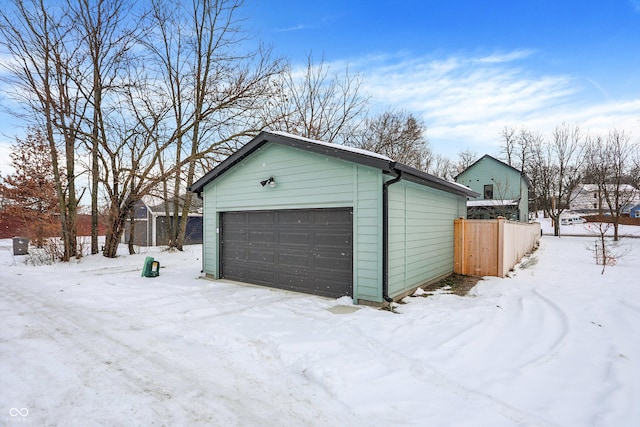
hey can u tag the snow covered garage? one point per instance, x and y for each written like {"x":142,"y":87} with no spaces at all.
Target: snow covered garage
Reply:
{"x":308,"y":216}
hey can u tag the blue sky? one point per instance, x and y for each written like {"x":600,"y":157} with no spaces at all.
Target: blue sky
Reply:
{"x":468,"y":68}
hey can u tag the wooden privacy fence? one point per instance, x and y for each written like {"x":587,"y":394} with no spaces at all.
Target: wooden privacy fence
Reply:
{"x":491,"y":247}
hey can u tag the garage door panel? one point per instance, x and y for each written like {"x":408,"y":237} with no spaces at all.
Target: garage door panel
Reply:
{"x":301,"y":250}
{"x":294,"y":217}
{"x":296,"y":282}
{"x":262,"y":236}
{"x":333,"y":216}
{"x":329,"y":264}
{"x":262,"y":255}
{"x":295,"y":259}
{"x":260,"y":276}
{"x":260,"y":217}
{"x":333,"y":240}
{"x":237,"y":235}
{"x":237,"y":254}
{"x":296,"y":238}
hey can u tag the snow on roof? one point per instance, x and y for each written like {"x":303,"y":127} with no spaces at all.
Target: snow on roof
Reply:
{"x":332,"y":145}
{"x":621,"y":187}
{"x":492,"y":202}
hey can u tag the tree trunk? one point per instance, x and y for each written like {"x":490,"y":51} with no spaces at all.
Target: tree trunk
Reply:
{"x":132,"y":226}
{"x":114,"y":235}
{"x":94,"y":188}
{"x":117,"y":219}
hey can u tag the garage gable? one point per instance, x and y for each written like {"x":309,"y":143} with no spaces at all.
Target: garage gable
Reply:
{"x":303,"y":181}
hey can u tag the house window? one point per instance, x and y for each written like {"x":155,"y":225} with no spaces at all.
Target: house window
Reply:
{"x":595,"y":206}
{"x":488,"y":191}
{"x":595,"y":195}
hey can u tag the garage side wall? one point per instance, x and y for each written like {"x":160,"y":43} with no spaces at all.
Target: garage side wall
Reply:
{"x":304,"y":180}
{"x":420,"y":235}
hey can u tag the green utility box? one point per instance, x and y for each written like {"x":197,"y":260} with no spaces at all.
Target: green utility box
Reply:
{"x":151,"y":268}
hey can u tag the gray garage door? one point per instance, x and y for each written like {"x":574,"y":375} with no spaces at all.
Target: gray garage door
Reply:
{"x":307,"y":251}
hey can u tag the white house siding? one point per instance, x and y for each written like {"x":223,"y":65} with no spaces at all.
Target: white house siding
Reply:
{"x":304,"y":180}
{"x":420,"y":234}
{"x":587,"y":198}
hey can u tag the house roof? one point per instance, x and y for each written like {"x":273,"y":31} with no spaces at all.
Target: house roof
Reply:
{"x":355,"y":155}
{"x":522,"y":174}
{"x":596,"y":187}
{"x":157,"y":205}
{"x":492,"y":202}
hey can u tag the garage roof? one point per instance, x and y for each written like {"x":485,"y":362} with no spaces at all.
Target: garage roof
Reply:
{"x":351,"y":154}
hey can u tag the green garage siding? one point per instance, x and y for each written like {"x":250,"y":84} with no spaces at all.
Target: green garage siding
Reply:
{"x":304,"y":180}
{"x":420,"y":235}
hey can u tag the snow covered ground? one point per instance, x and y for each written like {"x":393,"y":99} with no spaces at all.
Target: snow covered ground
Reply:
{"x":93,"y":344}
{"x":587,"y":229}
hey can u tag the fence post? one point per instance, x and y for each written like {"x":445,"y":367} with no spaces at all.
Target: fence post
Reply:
{"x":500,"y":246}
{"x":458,"y":246}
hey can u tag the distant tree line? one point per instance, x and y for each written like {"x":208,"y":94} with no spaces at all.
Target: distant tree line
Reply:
{"x":569,"y":157}
{"x":135,"y":98}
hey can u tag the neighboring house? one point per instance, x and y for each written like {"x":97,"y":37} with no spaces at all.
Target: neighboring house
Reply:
{"x":151,"y":223}
{"x":503,"y":189}
{"x":634,"y":212}
{"x":589,"y":198}
{"x":308,"y":216}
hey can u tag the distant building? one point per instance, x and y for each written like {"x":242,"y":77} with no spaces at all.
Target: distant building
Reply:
{"x":503,"y":189}
{"x":152,"y":223}
{"x":589,"y":198}
{"x":634,"y":212}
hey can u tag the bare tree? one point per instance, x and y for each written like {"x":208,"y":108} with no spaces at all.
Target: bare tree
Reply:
{"x":465,"y":159}
{"x":558,"y":165}
{"x":609,"y":164}
{"x":215,"y":91}
{"x":396,"y":134}
{"x":318,"y":104}
{"x":509,"y":137}
{"x":525,"y":143}
{"x":103,"y":27}
{"x":634,"y":168}
{"x":43,"y":72}
{"x":441,"y":166}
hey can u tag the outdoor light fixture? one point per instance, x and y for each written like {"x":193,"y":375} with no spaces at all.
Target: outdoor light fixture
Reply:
{"x":269,"y":181}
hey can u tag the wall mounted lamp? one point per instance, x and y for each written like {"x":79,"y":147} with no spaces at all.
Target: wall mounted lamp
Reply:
{"x":271,"y":182}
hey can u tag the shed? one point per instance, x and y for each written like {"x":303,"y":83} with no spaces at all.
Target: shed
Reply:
{"x":503,"y":190}
{"x":634,"y":212}
{"x":308,"y":216}
{"x":152,"y":222}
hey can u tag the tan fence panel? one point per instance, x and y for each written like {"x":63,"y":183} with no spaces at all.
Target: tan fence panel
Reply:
{"x":491,"y":247}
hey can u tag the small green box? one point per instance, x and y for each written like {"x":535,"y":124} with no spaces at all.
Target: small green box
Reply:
{"x":151,"y":268}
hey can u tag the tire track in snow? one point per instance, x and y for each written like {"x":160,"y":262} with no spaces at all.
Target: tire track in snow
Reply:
{"x":534,"y":316}
{"x":108,"y":363}
{"x":428,"y":374}
{"x":562,"y":331}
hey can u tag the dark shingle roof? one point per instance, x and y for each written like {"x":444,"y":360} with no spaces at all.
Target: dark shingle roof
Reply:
{"x":355,"y":155}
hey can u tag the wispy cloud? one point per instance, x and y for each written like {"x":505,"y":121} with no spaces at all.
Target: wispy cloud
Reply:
{"x":466,"y":100}
{"x":635,"y":4}
{"x":504,"y":56}
{"x":298,"y":27}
